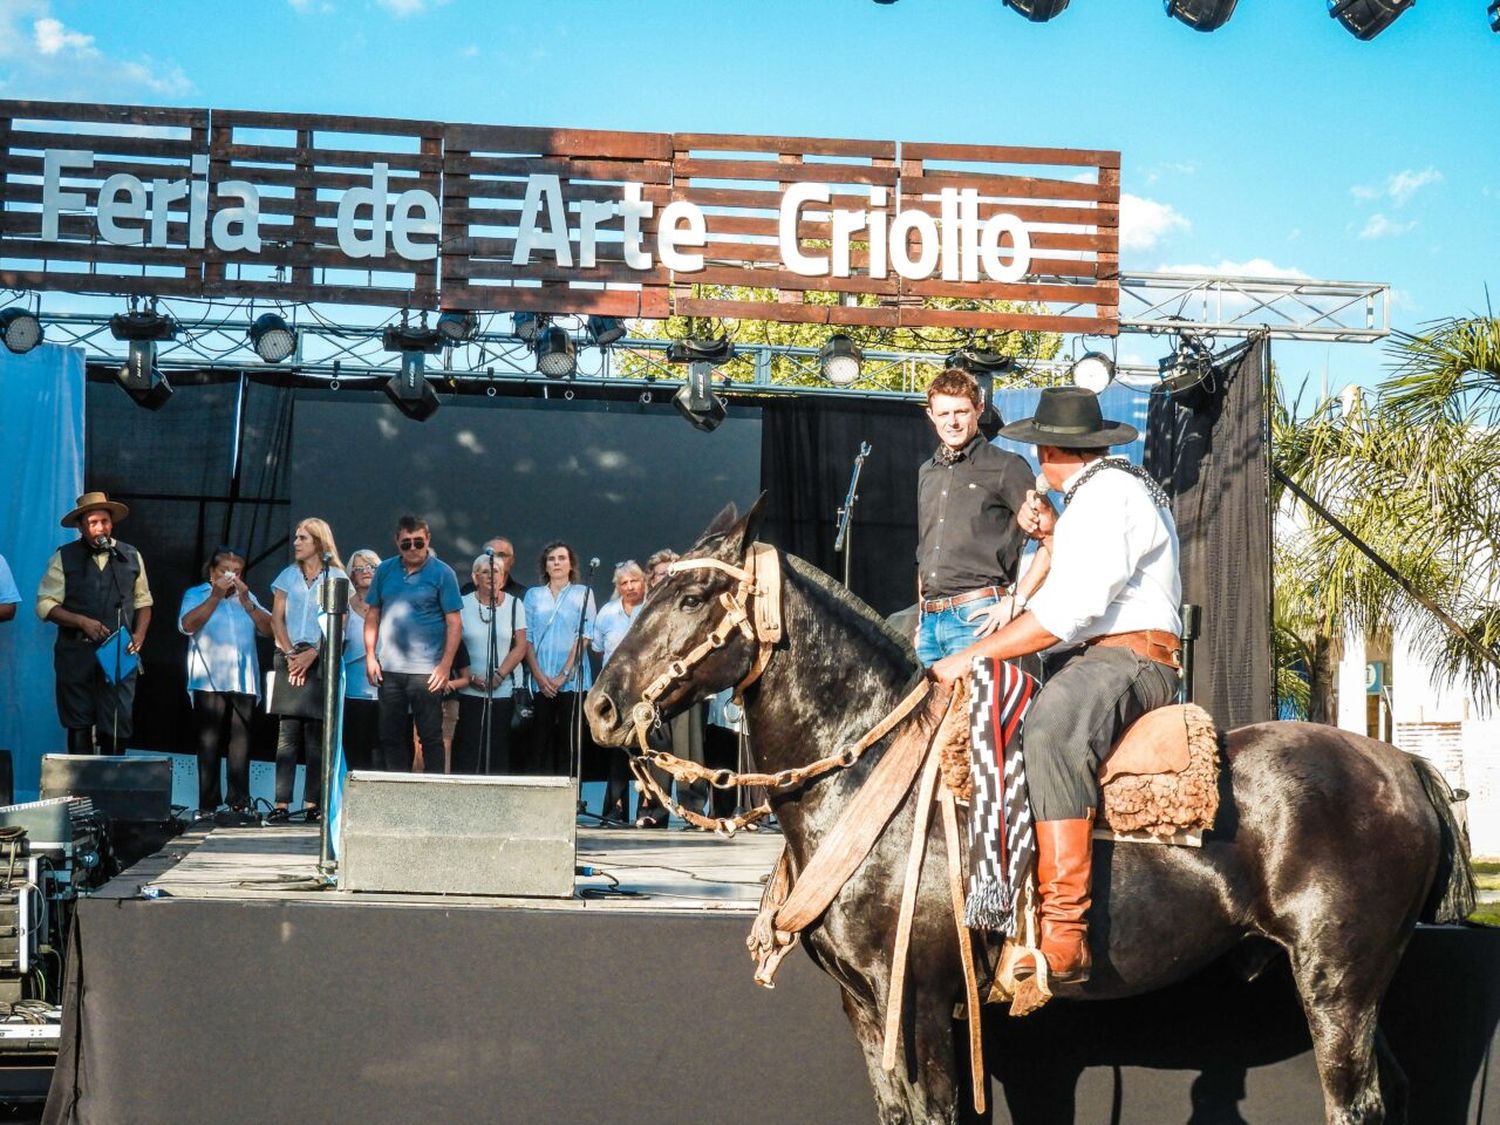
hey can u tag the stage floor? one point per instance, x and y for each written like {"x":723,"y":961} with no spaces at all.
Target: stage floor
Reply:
{"x":636,"y":869}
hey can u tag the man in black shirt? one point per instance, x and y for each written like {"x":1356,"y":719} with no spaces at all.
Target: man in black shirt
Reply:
{"x":969,"y":541}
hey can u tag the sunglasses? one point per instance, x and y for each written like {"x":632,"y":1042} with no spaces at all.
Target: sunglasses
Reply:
{"x":411,"y":544}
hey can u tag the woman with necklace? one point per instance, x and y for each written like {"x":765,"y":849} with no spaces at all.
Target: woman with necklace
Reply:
{"x":558,"y":662}
{"x":361,"y":698}
{"x":610,"y":629}
{"x":297,"y":624}
{"x":494,"y":628}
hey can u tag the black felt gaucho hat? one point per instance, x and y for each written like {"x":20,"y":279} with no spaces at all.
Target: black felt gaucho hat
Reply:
{"x":1069,"y":418}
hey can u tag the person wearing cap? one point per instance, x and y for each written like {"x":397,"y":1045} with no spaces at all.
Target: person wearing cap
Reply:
{"x":969,"y":494}
{"x":93,"y":587}
{"x":1108,"y":618}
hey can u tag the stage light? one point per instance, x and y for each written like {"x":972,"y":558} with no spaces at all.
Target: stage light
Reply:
{"x":695,"y":399}
{"x":1367,"y":18}
{"x":526,"y":326}
{"x":984,"y":365}
{"x":409,"y":390}
{"x":605,"y":330}
{"x":1037,"y":11}
{"x":405,"y":338}
{"x":20,"y":329}
{"x":701,"y":351}
{"x":1202,"y":15}
{"x":139,"y":377}
{"x":1495,"y":15}
{"x":1093,"y":371}
{"x":457,"y":327}
{"x":1189,"y":365}
{"x":556,"y":354}
{"x":839,"y":360}
{"x":142,"y":324}
{"x":272,"y":338}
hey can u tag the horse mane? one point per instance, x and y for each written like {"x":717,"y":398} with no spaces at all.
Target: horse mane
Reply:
{"x":875,"y":629}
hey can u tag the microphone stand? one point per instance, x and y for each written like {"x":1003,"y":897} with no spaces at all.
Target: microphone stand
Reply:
{"x":492,"y":661}
{"x":846,"y":513}
{"x":333,"y":599}
{"x":114,"y":576}
{"x":576,"y":754}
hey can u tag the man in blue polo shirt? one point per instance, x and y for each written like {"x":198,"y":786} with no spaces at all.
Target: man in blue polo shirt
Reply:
{"x":412,"y":632}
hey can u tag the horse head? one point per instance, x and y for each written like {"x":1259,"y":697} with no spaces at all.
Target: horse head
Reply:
{"x":686,"y":642}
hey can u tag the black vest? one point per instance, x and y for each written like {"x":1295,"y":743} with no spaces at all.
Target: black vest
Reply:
{"x":96,"y":593}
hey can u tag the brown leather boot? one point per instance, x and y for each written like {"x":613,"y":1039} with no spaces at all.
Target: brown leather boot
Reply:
{"x":1064,"y":865}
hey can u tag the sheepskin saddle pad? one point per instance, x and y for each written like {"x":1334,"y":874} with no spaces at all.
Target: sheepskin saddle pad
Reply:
{"x":1162,"y":777}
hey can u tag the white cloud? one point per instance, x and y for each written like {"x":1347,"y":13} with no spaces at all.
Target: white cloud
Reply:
{"x":1399,"y":187}
{"x":1378,"y":226}
{"x":1253,"y":267}
{"x":42,"y":56}
{"x":403,"y":8}
{"x":52,"y":38}
{"x":1144,"y":222}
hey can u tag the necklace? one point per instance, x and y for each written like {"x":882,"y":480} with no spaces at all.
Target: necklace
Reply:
{"x":486,"y":619}
{"x":1158,"y":494}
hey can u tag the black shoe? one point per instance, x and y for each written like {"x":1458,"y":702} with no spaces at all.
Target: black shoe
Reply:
{"x":312,"y":816}
{"x":278,"y":816}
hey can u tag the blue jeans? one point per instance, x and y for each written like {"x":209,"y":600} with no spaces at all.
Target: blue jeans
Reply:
{"x":948,"y":631}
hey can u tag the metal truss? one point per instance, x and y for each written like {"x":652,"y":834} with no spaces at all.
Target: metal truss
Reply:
{"x":213,"y":336}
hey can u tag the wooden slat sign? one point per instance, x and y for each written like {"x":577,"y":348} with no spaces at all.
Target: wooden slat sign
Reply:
{"x":420,"y":214}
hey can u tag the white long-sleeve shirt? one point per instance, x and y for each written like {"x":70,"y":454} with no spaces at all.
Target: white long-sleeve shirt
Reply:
{"x":1114,"y":563}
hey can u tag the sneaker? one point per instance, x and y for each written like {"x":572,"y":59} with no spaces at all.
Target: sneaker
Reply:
{"x":313,"y":816}
{"x":278,"y":816}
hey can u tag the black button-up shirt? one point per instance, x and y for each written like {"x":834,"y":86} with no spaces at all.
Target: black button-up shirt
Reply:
{"x":967,"y":536}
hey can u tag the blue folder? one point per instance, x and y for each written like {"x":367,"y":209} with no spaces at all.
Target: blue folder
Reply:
{"x":115,"y":657}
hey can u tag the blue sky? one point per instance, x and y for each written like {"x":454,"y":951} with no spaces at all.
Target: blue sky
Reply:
{"x":1279,"y":143}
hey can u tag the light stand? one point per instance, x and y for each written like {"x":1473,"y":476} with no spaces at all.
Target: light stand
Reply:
{"x":846,"y":513}
{"x":333,"y":599}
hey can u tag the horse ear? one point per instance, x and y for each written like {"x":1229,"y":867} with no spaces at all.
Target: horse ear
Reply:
{"x":721,"y":524}
{"x":743,"y":532}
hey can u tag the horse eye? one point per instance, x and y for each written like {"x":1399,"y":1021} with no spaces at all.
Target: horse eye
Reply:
{"x":691,"y":600}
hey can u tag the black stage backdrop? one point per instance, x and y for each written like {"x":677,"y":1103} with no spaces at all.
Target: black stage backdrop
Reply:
{"x":808,"y":447}
{"x":1208,"y":449}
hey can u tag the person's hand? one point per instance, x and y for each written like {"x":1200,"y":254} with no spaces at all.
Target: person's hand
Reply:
{"x":991,"y":617}
{"x":224,"y":586}
{"x":135,"y":644}
{"x":437,"y":680}
{"x":949,"y":668}
{"x":372,"y":670}
{"x":1036,"y":517}
{"x":547,"y":686}
{"x":93,"y":630}
{"x":298,"y":664}
{"x":242,"y":592}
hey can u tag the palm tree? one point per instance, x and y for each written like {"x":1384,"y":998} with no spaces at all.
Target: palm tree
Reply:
{"x":1415,"y":473}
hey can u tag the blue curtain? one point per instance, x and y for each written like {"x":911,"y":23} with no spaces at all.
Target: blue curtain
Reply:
{"x":41,"y":468}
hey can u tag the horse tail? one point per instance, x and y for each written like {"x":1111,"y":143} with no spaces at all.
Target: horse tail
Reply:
{"x":1452,"y":896}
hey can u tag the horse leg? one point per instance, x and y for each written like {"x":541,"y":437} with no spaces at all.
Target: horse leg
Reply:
{"x":923,"y":1086}
{"x":1342,"y":1006}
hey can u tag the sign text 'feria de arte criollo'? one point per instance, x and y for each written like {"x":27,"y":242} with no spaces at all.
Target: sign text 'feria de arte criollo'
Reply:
{"x":422,"y":214}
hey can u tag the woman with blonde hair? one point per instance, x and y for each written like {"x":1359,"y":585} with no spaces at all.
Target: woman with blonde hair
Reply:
{"x":298,"y":626}
{"x":361,"y":698}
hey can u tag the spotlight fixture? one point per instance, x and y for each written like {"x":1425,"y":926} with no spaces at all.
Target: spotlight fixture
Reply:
{"x":405,"y":338}
{"x":142,"y":324}
{"x":20,"y":329}
{"x":1093,"y":371}
{"x":1201,"y":15}
{"x":695,"y":399}
{"x":409,"y":390}
{"x":1366,"y":19}
{"x":1037,"y":11}
{"x":839,"y":360}
{"x":457,"y":327}
{"x":605,"y":330}
{"x":1494,"y":15}
{"x":1189,"y":365}
{"x":526,"y":326}
{"x":984,"y":365}
{"x":556,"y":354}
{"x":272,"y":338}
{"x":139,"y":377}
{"x":701,"y":351}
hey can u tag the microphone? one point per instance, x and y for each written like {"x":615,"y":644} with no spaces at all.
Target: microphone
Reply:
{"x":1042,"y":487}
{"x":593,"y":564}
{"x":490,"y":551}
{"x":101,"y":542}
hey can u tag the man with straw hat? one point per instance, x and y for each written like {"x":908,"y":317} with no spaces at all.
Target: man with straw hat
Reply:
{"x":1108,"y":618}
{"x":95,"y":587}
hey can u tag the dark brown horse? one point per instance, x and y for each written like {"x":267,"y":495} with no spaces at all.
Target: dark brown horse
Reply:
{"x":1328,"y":845}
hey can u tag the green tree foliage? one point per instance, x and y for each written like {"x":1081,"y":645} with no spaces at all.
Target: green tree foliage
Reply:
{"x":906,"y":375}
{"x":1415,"y":472}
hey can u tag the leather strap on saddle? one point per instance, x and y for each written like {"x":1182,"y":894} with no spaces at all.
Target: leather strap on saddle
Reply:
{"x":1150,"y":644}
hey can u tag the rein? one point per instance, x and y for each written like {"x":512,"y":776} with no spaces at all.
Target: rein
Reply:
{"x":752,"y":608}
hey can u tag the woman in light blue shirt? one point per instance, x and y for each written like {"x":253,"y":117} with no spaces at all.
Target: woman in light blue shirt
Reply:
{"x":298,"y":625}
{"x":559,"y":663}
{"x":221,"y":619}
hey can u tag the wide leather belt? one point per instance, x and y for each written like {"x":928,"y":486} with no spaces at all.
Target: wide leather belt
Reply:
{"x":1152,"y":644}
{"x":937,"y":605}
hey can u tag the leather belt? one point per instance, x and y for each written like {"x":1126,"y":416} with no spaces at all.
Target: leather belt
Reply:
{"x":1152,"y":644}
{"x":937,"y":605}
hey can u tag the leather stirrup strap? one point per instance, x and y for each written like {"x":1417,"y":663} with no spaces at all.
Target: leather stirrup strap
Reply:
{"x":896,"y":995}
{"x":956,"y":866}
